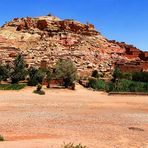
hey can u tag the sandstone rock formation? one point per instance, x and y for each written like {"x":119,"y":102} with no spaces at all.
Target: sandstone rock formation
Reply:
{"x":43,"y":40}
{"x":137,"y":59}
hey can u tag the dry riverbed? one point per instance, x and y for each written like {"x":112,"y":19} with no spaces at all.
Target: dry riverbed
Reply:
{"x":92,"y":118}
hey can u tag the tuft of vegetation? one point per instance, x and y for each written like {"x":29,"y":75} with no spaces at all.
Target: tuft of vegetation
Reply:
{"x":71,"y":145}
{"x":100,"y":85}
{"x":12,"y":86}
{"x":96,"y":84}
{"x":66,"y":71}
{"x":2,"y":138}
{"x":39,"y":87}
{"x":39,"y":90}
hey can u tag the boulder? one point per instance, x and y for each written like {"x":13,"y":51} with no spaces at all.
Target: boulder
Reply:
{"x":42,"y":24}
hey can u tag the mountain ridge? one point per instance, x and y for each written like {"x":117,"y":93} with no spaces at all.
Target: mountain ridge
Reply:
{"x":43,"y":40}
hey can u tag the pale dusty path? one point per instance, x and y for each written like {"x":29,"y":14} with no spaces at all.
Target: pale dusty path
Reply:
{"x":92,"y":118}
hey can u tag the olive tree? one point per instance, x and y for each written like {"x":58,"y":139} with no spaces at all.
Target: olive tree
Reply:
{"x":36,"y":76}
{"x":66,"y":71}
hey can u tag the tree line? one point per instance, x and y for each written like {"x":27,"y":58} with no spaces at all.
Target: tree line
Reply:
{"x":16,"y":71}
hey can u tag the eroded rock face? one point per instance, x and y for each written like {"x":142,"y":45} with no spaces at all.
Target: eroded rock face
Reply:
{"x":42,"y":24}
{"x":137,"y":59}
{"x":76,"y":27}
{"x":43,"y":40}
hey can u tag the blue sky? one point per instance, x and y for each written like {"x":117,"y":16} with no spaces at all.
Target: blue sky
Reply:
{"x":122,"y":20}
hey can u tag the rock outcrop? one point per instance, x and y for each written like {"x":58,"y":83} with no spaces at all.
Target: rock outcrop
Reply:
{"x":43,"y":40}
{"x":137,"y":59}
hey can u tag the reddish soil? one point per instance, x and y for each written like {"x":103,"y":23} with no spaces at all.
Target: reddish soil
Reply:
{"x":92,"y":118}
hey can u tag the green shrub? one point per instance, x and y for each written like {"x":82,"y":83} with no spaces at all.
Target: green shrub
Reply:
{"x":39,"y":90}
{"x":66,"y":71}
{"x":92,"y":82}
{"x":138,"y":87}
{"x":96,"y":84}
{"x":122,"y":85}
{"x":128,"y":86}
{"x":71,"y":145}
{"x":109,"y":86}
{"x":100,"y":85}
{"x":39,"y":87}
{"x":12,"y":86}
{"x":1,"y":138}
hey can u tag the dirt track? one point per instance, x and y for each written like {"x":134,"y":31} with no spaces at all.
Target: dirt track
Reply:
{"x":92,"y":118}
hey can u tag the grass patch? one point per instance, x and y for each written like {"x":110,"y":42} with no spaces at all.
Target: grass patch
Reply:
{"x":1,"y":138}
{"x":71,"y":145}
{"x":12,"y":86}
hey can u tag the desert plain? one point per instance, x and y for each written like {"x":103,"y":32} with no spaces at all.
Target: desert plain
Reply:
{"x":92,"y":118}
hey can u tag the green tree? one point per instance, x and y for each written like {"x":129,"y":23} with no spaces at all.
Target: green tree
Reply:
{"x":117,"y":74}
{"x":36,"y":76}
{"x":66,"y":70}
{"x":48,"y":77}
{"x":32,"y":72}
{"x":4,"y":72}
{"x":18,"y":71}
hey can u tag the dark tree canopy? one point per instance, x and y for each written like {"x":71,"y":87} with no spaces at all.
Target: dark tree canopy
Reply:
{"x":18,"y":71}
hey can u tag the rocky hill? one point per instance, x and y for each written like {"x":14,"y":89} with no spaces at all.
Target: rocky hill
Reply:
{"x":43,"y":40}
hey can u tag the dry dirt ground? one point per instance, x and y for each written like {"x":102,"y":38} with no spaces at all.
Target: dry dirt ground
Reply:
{"x":92,"y":118}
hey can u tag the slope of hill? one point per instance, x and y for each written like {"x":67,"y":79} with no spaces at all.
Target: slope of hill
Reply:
{"x":43,"y":40}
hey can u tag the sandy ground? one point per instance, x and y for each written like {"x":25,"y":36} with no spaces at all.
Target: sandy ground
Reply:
{"x":92,"y":118}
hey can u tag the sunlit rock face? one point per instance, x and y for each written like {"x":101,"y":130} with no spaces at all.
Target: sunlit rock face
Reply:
{"x":43,"y":40}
